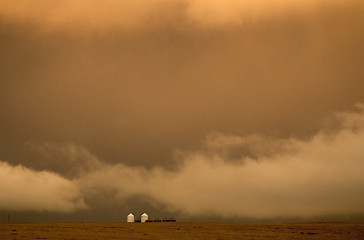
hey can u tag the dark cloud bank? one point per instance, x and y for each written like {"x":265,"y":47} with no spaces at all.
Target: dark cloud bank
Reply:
{"x":194,"y":109}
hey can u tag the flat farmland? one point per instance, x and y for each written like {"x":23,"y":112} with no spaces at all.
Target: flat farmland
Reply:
{"x":180,"y":230}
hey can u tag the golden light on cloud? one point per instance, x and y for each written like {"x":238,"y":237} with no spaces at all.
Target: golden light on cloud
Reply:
{"x":235,"y":12}
{"x":136,"y":14}
{"x":68,"y":13}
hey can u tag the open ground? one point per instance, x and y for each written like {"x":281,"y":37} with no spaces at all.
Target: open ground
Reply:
{"x":180,"y":230}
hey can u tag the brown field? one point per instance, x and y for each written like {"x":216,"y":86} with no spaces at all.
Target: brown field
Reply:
{"x":182,"y":230}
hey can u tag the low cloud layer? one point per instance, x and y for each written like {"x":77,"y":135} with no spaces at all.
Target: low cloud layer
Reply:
{"x":315,"y":178}
{"x":252,"y":177}
{"x":23,"y":189}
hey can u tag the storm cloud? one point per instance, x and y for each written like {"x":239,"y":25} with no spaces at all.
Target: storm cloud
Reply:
{"x":292,"y":179}
{"x":315,"y":178}
{"x":190,"y":104}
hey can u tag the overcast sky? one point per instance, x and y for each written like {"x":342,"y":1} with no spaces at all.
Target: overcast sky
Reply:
{"x":201,"y":110}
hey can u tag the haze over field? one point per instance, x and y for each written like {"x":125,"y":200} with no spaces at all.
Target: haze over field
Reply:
{"x":212,"y":110}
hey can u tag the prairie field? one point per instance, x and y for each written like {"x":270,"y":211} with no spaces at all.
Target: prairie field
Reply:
{"x":180,"y":230}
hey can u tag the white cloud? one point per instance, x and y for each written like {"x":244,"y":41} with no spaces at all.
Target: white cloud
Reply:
{"x":23,"y":189}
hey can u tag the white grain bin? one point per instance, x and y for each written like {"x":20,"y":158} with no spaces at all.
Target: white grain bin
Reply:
{"x":130,"y":218}
{"x":144,"y":217}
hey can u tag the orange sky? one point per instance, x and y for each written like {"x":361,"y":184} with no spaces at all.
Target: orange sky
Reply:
{"x":213,"y":101}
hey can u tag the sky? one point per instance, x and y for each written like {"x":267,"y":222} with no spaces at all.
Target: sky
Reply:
{"x":232,"y":110}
